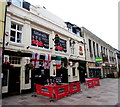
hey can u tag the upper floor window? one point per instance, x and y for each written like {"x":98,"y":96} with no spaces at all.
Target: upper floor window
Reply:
{"x":60,"y":44}
{"x":40,"y":39}
{"x":78,"y":32}
{"x":94,"y":48}
{"x":72,"y":46}
{"x":97,"y":50}
{"x":21,"y":3}
{"x":16,"y":33}
{"x":70,"y":28}
{"x":18,"y":2}
{"x":90,"y":48}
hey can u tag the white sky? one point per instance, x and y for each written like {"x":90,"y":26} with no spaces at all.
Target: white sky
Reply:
{"x":98,"y":16}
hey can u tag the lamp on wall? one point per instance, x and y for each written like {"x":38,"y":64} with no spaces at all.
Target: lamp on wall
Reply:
{"x":28,"y":47}
{"x":7,"y":44}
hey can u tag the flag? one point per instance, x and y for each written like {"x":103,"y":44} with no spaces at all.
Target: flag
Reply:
{"x":35,"y":59}
{"x":47,"y":61}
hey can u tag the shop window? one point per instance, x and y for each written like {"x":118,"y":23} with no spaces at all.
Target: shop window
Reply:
{"x":40,"y":39}
{"x":15,"y":60}
{"x":16,"y":33}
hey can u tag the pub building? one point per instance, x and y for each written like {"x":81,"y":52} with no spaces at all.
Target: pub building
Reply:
{"x":39,"y":51}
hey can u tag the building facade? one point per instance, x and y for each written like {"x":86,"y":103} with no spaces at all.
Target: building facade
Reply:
{"x":100,"y":56}
{"x":38,"y":46}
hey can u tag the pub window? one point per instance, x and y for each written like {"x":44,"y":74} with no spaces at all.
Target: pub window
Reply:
{"x":70,"y":28}
{"x":16,"y":33}
{"x":60,"y":44}
{"x":78,"y":32}
{"x":15,"y":60}
{"x":40,"y":39}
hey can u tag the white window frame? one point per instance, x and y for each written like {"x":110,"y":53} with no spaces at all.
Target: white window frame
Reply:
{"x":16,"y":31}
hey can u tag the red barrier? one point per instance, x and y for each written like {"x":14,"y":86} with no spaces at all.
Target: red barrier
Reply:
{"x":44,"y":90}
{"x":74,"y":87}
{"x":90,"y":83}
{"x":96,"y":81}
{"x":61,"y":91}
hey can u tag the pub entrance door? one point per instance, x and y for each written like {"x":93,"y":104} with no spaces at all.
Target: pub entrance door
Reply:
{"x":14,"y":81}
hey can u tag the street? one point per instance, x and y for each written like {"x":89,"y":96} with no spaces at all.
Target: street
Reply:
{"x":105,"y":94}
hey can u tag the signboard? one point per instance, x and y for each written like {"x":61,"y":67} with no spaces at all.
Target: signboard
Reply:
{"x":98,"y":59}
{"x":40,"y":39}
{"x":105,"y":59}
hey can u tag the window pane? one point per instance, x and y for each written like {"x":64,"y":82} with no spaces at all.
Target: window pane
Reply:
{"x":13,"y":25}
{"x":12,"y":36}
{"x":19,"y":28}
{"x":16,"y":2}
{"x":18,"y":37}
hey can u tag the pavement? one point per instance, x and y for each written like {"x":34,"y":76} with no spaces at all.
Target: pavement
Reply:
{"x":105,"y":94}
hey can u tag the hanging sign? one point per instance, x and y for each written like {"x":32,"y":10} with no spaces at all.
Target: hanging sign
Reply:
{"x":58,"y":62}
{"x":80,"y":50}
{"x":98,"y":59}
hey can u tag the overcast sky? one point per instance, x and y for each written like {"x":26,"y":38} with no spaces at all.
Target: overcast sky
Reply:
{"x":98,"y":16}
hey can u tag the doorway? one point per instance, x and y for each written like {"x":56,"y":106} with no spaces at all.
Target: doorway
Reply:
{"x":14,"y":81}
{"x":82,"y":72}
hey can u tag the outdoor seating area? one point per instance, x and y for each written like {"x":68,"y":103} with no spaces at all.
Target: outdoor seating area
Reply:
{"x":55,"y":91}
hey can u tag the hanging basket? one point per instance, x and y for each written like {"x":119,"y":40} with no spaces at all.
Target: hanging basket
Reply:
{"x":7,"y":65}
{"x":29,"y":66}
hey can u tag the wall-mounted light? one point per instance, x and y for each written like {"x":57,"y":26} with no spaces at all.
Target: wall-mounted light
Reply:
{"x":6,"y":33}
{"x":28,"y":47}
{"x":70,"y":63}
{"x":7,"y":44}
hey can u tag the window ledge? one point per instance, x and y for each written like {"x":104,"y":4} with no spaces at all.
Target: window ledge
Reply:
{"x":16,"y":44}
{"x":61,"y":52}
{"x":44,"y":49}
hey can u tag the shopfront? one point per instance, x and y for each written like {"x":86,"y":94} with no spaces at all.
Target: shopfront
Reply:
{"x":95,"y":70}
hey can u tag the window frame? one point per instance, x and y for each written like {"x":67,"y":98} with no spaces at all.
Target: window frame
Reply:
{"x":16,"y":32}
{"x":21,"y":3}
